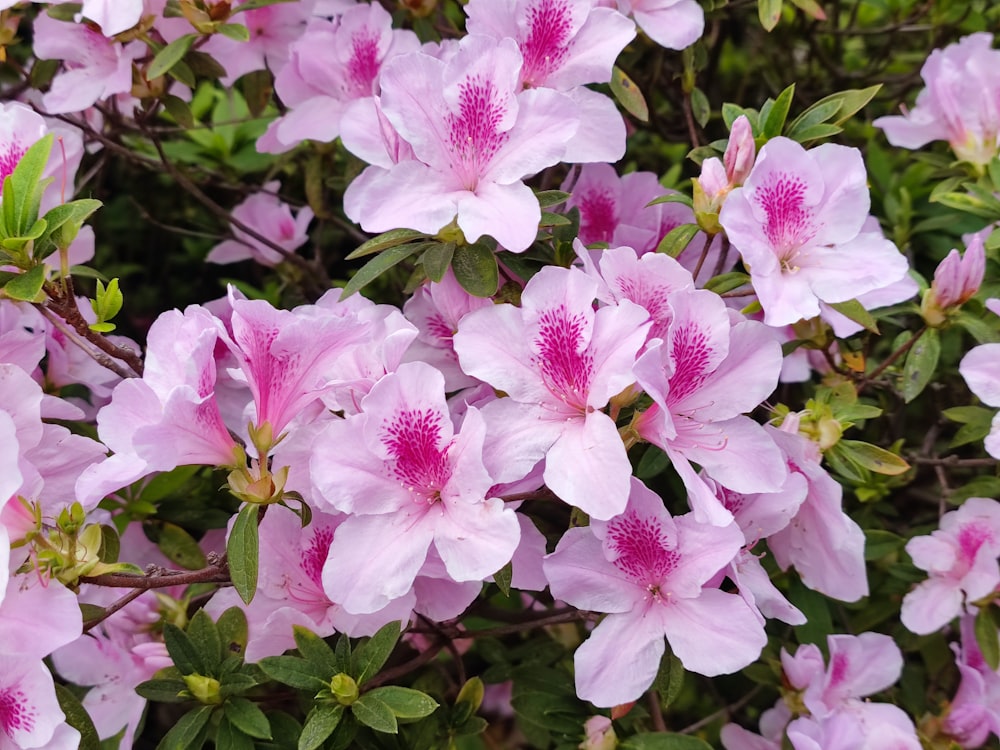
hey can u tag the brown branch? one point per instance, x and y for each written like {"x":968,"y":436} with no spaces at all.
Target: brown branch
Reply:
{"x":892,"y":358}
{"x":112,"y":608}
{"x":100,"y":357}
{"x":159,"y":578}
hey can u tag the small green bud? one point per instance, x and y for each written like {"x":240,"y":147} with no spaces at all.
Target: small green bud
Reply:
{"x":344,"y":689}
{"x":204,"y":689}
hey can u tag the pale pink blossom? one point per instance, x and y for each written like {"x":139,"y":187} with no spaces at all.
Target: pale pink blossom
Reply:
{"x":956,"y":279}
{"x":113,"y":16}
{"x":961,"y":103}
{"x":265,"y":213}
{"x":20,"y":127}
{"x":981,"y":370}
{"x":961,"y":559}
{"x":649,"y":572}
{"x":30,"y":716}
{"x":560,"y":362}
{"x":974,"y":712}
{"x":474,"y":136}
{"x":674,"y":24}
{"x":798,"y":220}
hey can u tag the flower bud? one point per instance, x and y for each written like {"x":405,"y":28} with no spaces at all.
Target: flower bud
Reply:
{"x":600,"y":734}
{"x":344,"y":689}
{"x":740,"y":153}
{"x":956,"y":279}
{"x":203,"y":689}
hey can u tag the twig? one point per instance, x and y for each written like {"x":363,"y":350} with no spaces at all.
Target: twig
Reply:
{"x":112,"y":608}
{"x":100,"y":357}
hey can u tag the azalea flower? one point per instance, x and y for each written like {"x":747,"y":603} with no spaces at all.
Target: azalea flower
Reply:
{"x":798,"y":220}
{"x":649,"y":572}
{"x":267,"y":215}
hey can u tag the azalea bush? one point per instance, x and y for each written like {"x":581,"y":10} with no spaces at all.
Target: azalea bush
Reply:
{"x":499,"y":374}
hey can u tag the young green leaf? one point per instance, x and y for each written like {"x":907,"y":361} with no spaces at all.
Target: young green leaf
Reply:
{"x":189,"y":732}
{"x":775,"y":120}
{"x":405,"y":703}
{"x":185,"y":656}
{"x":242,"y":550}
{"x":385,"y":241}
{"x":873,"y":458}
{"x":369,"y":658}
{"x":856,"y":311}
{"x":248,"y":718}
{"x":314,"y":650}
{"x":921,"y":362}
{"x":629,"y":95}
{"x":986,"y":638}
{"x":379,"y":265}
{"x":291,"y":670}
{"x":375,"y":714}
{"x":26,"y":287}
{"x":321,"y":722}
{"x":204,"y":637}
{"x":169,"y":56}
{"x":769,"y":13}
{"x":677,"y":239}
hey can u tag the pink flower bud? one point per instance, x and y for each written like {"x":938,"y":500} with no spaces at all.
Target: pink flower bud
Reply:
{"x":600,"y":734}
{"x":740,"y":153}
{"x":958,"y":277}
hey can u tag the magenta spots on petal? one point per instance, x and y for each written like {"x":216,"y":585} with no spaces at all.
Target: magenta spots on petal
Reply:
{"x":547,"y":43}
{"x":475,"y":136}
{"x":438,"y":327}
{"x":838,"y":669}
{"x":653,"y":297}
{"x":598,"y":217}
{"x":971,"y":537}
{"x":563,"y":360}
{"x":645,"y":552}
{"x":412,"y":439}
{"x":10,"y":155}
{"x":789,"y":221}
{"x":733,"y":501}
{"x":315,"y":554}
{"x":16,"y":714}
{"x":363,"y":67}
{"x":690,"y":352}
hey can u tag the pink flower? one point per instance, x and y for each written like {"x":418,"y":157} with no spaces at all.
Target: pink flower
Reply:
{"x":20,"y":127}
{"x":265,"y":213}
{"x":649,"y":572}
{"x":559,"y":362}
{"x":333,"y":64}
{"x":959,"y":105}
{"x":961,"y":558}
{"x":981,"y":370}
{"x":974,"y":712}
{"x":474,"y":136}
{"x":674,"y":24}
{"x":113,"y":16}
{"x":797,"y":221}
{"x":565,"y":44}
{"x":30,"y":716}
{"x":411,"y":481}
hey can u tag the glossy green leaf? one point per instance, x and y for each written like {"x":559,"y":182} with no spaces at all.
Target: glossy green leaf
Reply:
{"x":379,"y":265}
{"x":727,"y":282}
{"x":180,"y":547}
{"x":189,"y":731}
{"x":502,"y":578}
{"x":549,"y":198}
{"x":78,"y":718}
{"x":986,"y":637}
{"x":242,"y":550}
{"x":204,"y":637}
{"x":229,"y":737}
{"x":185,"y":656}
{"x":769,"y":13}
{"x":384,"y":241}
{"x":170,"y":55}
{"x":475,"y":267}
{"x":375,"y":714}
{"x":22,"y":189}
{"x":321,"y":722}
{"x":248,"y":718}
{"x":26,"y":287}
{"x":235,"y":31}
{"x":291,"y":670}
{"x":701,"y":110}
{"x":921,"y":363}
{"x":677,"y":239}
{"x":774,"y":123}
{"x":629,"y":95}
{"x":855,"y":311}
{"x":369,"y":657}
{"x":873,"y":457}
{"x":669,"y":679}
{"x":315,"y":650}
{"x":437,"y":259}
{"x":405,"y":703}
{"x":163,"y":690}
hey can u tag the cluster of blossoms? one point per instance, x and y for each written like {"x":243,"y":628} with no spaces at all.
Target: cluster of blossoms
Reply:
{"x":419,"y":442}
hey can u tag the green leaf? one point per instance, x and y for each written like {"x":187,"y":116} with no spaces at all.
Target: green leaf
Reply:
{"x":700,"y":108}
{"x":978,"y":328}
{"x":503,"y":577}
{"x":471,"y":694}
{"x":315,"y":650}
{"x":189,"y":731}
{"x":342,"y":655}
{"x":321,"y":722}
{"x":22,"y":189}
{"x":855,"y":311}
{"x":977,"y":487}
{"x":873,"y":458}
{"x":369,"y":657}
{"x":185,"y":656}
{"x":405,"y":703}
{"x":373,"y":713}
{"x":384,"y":241}
{"x":549,"y":198}
{"x":242,"y":550}
{"x":204,"y":637}
{"x":169,"y":56}
{"x":25,"y":287}
{"x":379,"y":265}
{"x":921,"y":362}
{"x":663,"y":741}
{"x":727,"y":282}
{"x":672,"y":198}
{"x":229,"y":737}
{"x":810,"y":7}
{"x":248,"y":718}
{"x":669,"y":679}
{"x":971,"y":204}
{"x":550,"y":219}
{"x":677,"y":239}
{"x":437,"y":259}
{"x":653,"y":463}
{"x":769,"y":13}
{"x":291,"y":670}
{"x":179,"y":110}
{"x":629,"y":95}
{"x":986,"y":638}
{"x":180,"y":547}
{"x":475,"y":267}
{"x":163,"y":690}
{"x":254,"y":4}
{"x":775,"y":121}
{"x":78,"y":718}
{"x":235,"y":31}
